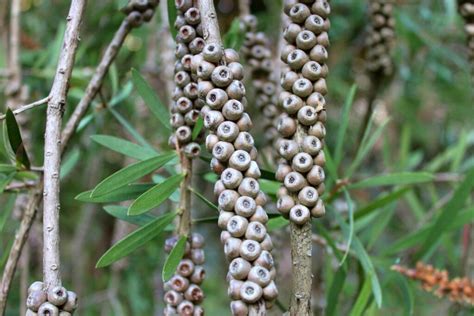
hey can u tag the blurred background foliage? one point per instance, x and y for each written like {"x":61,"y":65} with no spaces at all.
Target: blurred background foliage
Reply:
{"x":422,"y":122}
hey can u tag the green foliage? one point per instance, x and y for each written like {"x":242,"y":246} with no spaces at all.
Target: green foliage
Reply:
{"x":124,"y":147}
{"x":234,"y":38}
{"x":174,"y":258}
{"x":172,"y":13}
{"x":11,"y":135}
{"x":135,"y":240}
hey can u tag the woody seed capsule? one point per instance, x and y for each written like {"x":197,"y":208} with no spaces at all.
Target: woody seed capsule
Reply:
{"x":232,"y":248}
{"x":299,"y":12}
{"x":57,"y":295}
{"x":185,"y":267}
{"x":227,"y":131}
{"x":249,"y":187}
{"x":316,"y":175}
{"x":306,"y":40}
{"x":292,"y":104}
{"x":233,"y":109}
{"x":250,"y":292}
{"x":48,"y":309}
{"x":296,"y":59}
{"x":307,"y":115}
{"x":288,"y":149}
{"x":302,"y":162}
{"x":286,"y":126}
{"x":227,"y":199}
{"x":294,"y":181}
{"x":237,"y":226}
{"x":259,"y":275}
{"x":236,"y":90}
{"x":245,"y":206}
{"x":239,"y":308}
{"x":284,"y":204}
{"x":318,"y":210}
{"x":194,"y":294}
{"x":250,"y":250}
{"x":308,"y":196}
{"x":256,"y":231}
{"x":198,"y":275}
{"x":35,"y":299}
{"x":231,"y":178}
{"x":234,"y":289}
{"x":302,"y":87}
{"x":212,"y":53}
{"x":299,"y":214}
{"x":179,"y":283}
{"x":311,"y":145}
{"x":222,"y":150}
{"x":185,"y":308}
{"x":221,"y":76}
{"x":260,"y":214}
{"x":239,"y":268}
{"x":216,"y":98}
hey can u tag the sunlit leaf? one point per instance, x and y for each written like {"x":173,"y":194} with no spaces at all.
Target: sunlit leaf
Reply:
{"x":124,"y":147}
{"x":120,"y":212}
{"x":204,"y":199}
{"x":125,"y":193}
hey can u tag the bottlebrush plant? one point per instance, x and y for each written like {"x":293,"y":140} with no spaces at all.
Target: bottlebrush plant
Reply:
{"x":188,"y":157}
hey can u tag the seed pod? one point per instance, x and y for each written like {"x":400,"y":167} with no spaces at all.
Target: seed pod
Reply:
{"x":198,"y":275}
{"x":198,"y":256}
{"x":216,"y":98}
{"x":286,"y":126}
{"x":239,"y":268}
{"x":239,"y":308}
{"x":299,"y":12}
{"x":255,"y":231}
{"x":185,"y":308}
{"x":302,"y":162}
{"x":197,"y":241}
{"x":237,"y":225}
{"x":311,"y":145}
{"x":249,"y":187}
{"x":288,"y":79}
{"x":48,"y":309}
{"x":222,"y":150}
{"x":244,"y":141}
{"x":308,"y":196}
{"x":227,"y":131}
{"x":284,"y":204}
{"x":250,"y":292}
{"x":245,"y":206}
{"x":57,"y":295}
{"x":237,"y":70}
{"x":245,"y":123}
{"x":253,"y":171}
{"x":316,"y":176}
{"x":227,"y":200}
{"x":267,"y":243}
{"x":232,"y":248}
{"x":299,"y":214}
{"x":212,"y":53}
{"x":292,"y":103}
{"x":270,"y":292}
{"x":179,"y":283}
{"x":29,"y":312}
{"x":296,"y":59}
{"x":233,"y":109}
{"x":231,"y":178}
{"x":71,"y":303}
{"x":213,"y":119}
{"x":183,"y":134}
{"x":318,"y":130}
{"x":250,"y":250}
{"x":216,"y":166}
{"x":35,"y":299}
{"x":36,"y":286}
{"x":211,"y":141}
{"x":294,"y":181}
{"x":204,"y":87}
{"x":169,"y":311}
{"x":306,"y":40}
{"x":234,"y":289}
{"x":236,"y":90}
{"x":192,"y":150}
{"x":260,"y":214}
{"x":318,"y":210}
{"x":185,"y":267}
{"x":282,"y":170}
{"x":194,"y":294}
{"x":259,"y":275}
{"x":225,"y":235}
{"x":221,"y":76}
{"x":320,"y":160}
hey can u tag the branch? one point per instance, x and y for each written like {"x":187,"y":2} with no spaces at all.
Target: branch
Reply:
{"x":20,"y":238}
{"x":244,"y":7}
{"x":52,"y":145}
{"x":210,"y":25}
{"x":23,"y":108}
{"x":96,"y":82}
{"x":13,"y":88}
{"x":166,"y":53}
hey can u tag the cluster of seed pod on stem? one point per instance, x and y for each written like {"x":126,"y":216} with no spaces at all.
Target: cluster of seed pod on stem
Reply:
{"x":257,"y":52}
{"x":466,"y":9}
{"x":381,"y":37}
{"x":301,"y":125}
{"x":186,"y":104}
{"x":140,"y":11}
{"x":56,"y":301}
{"x":247,"y":245}
{"x":183,"y":292}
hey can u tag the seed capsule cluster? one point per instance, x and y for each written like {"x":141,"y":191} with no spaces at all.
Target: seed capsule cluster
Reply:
{"x":381,"y":37}
{"x":185,"y":110}
{"x":466,"y":9}
{"x":56,"y":301}
{"x":301,"y":125}
{"x":140,"y":11}
{"x":257,"y":53}
{"x":183,"y":292}
{"x":247,"y":244}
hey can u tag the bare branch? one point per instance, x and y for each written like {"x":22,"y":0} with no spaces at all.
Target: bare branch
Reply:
{"x":244,"y":7}
{"x":23,"y":108}
{"x":96,"y":82}
{"x":52,"y":146}
{"x":20,"y":238}
{"x":210,"y":25}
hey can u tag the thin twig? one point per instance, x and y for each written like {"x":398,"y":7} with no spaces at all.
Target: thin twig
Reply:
{"x":166,"y":52}
{"x":244,"y":7}
{"x":20,"y":238}
{"x":26,"y":107}
{"x":96,"y":82}
{"x":52,"y":145}
{"x":13,"y":89}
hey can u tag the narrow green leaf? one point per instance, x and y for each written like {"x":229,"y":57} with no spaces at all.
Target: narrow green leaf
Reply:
{"x":172,"y":14}
{"x":131,"y":173}
{"x":362,"y":299}
{"x":151,"y":100}
{"x":364,"y":259}
{"x":5,"y":168}
{"x":204,"y":199}
{"x":269,"y":187}
{"x":125,"y":193}
{"x":368,"y":141}
{"x":120,"y":212}
{"x":277,"y":223}
{"x":135,"y":240}
{"x":174,"y":258}
{"x":344,"y":123}
{"x":448,"y":213}
{"x":330,"y":166}
{"x":124,"y":147}
{"x":234,"y":37}
{"x":130,"y":129}
{"x":7,"y":209}
{"x":16,"y":142}
{"x":5,"y":180}
{"x":123,"y":94}
{"x":407,"y":294}
{"x":350,"y":207}
{"x":335,"y":290}
{"x":197,"y":127}
{"x":401,"y":178}
{"x":461,"y":147}
{"x":155,"y":196}
{"x":69,"y":162}
{"x":380,"y":201}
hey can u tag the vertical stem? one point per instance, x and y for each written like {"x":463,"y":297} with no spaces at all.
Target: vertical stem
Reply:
{"x":20,"y":238}
{"x":167,"y":52}
{"x":184,"y":225}
{"x":210,"y":25}
{"x":24,"y":277}
{"x":244,"y":7}
{"x":14,"y":67}
{"x":301,"y":248}
{"x":52,"y":146}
